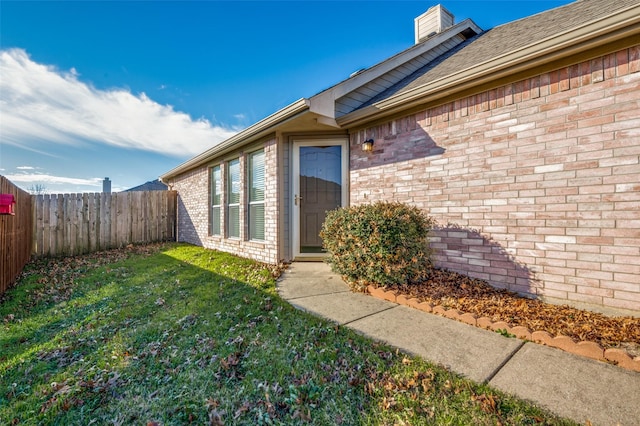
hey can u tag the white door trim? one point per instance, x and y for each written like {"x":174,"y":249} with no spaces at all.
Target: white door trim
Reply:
{"x":295,"y":187}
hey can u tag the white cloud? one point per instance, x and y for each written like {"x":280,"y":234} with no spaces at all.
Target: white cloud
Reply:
{"x":25,"y":168}
{"x":41,"y":103}
{"x":53,"y":180}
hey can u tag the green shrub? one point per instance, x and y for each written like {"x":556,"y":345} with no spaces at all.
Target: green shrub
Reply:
{"x":383,"y":243}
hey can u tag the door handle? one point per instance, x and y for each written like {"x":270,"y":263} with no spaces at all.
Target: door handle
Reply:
{"x":296,"y":198}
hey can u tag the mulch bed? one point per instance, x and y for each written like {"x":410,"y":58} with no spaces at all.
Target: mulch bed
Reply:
{"x":453,"y":290}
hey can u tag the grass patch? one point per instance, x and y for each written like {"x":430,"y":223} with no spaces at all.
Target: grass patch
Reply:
{"x":177,"y":334}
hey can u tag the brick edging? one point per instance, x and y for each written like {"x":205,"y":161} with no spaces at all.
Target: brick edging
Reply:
{"x":587,"y":349}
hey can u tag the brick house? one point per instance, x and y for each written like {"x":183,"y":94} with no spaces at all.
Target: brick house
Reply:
{"x":522,"y":141}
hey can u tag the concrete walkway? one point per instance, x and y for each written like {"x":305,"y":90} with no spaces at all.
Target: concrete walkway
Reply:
{"x":571,"y":386}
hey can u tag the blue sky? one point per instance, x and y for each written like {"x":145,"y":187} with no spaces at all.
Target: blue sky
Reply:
{"x":130,"y":90}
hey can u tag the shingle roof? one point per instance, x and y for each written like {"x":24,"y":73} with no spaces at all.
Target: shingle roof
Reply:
{"x":154,"y":185}
{"x":507,"y":38}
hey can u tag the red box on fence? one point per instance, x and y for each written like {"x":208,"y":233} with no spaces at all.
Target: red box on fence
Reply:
{"x":7,"y":201}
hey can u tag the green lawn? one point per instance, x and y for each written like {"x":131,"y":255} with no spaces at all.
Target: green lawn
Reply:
{"x":177,"y":334}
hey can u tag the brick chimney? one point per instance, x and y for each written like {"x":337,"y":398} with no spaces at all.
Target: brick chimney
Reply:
{"x":106,"y":185}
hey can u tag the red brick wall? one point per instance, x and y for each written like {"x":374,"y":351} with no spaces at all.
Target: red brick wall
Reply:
{"x":535,"y":185}
{"x":193,"y":209}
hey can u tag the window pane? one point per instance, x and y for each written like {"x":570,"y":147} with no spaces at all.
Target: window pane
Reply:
{"x":256,"y":195}
{"x":256,"y":222}
{"x":215,"y":221}
{"x":234,"y":221}
{"x":256,"y":176}
{"x":234,"y":181}
{"x":216,"y":186}
{"x":233,"y":199}
{"x":216,"y":199}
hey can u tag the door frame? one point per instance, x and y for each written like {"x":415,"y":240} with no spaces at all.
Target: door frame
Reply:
{"x":295,"y":188}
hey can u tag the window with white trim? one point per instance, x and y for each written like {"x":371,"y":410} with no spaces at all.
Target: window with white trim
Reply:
{"x":256,"y":186}
{"x":233,"y":199}
{"x":216,"y":201}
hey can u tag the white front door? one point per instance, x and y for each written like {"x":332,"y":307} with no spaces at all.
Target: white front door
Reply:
{"x":319,"y":184}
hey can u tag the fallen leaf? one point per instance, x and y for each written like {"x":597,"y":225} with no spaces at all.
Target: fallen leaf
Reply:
{"x":215,"y":418}
{"x":243,"y":409}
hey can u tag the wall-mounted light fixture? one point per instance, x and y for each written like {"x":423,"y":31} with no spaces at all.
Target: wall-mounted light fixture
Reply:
{"x":367,"y":146}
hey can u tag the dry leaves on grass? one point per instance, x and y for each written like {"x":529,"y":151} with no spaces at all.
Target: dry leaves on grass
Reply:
{"x":58,"y":276}
{"x":457,"y":291}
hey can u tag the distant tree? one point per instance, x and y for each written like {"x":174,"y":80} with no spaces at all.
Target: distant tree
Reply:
{"x":38,"y":189}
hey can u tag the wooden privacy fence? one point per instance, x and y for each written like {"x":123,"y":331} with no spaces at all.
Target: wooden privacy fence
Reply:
{"x":69,"y":224}
{"x":15,"y":234}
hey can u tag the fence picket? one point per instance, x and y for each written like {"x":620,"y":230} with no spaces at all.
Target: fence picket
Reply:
{"x":45,"y":222}
{"x":61,"y":225}
{"x":53,"y":224}
{"x":39,"y":222}
{"x":105,"y":202}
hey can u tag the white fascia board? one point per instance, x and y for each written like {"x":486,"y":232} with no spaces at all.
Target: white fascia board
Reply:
{"x":324,"y":102}
{"x":623,"y":24}
{"x":248,"y":135}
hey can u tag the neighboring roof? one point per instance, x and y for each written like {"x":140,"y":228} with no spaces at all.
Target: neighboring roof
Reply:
{"x":154,"y":185}
{"x":519,"y":42}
